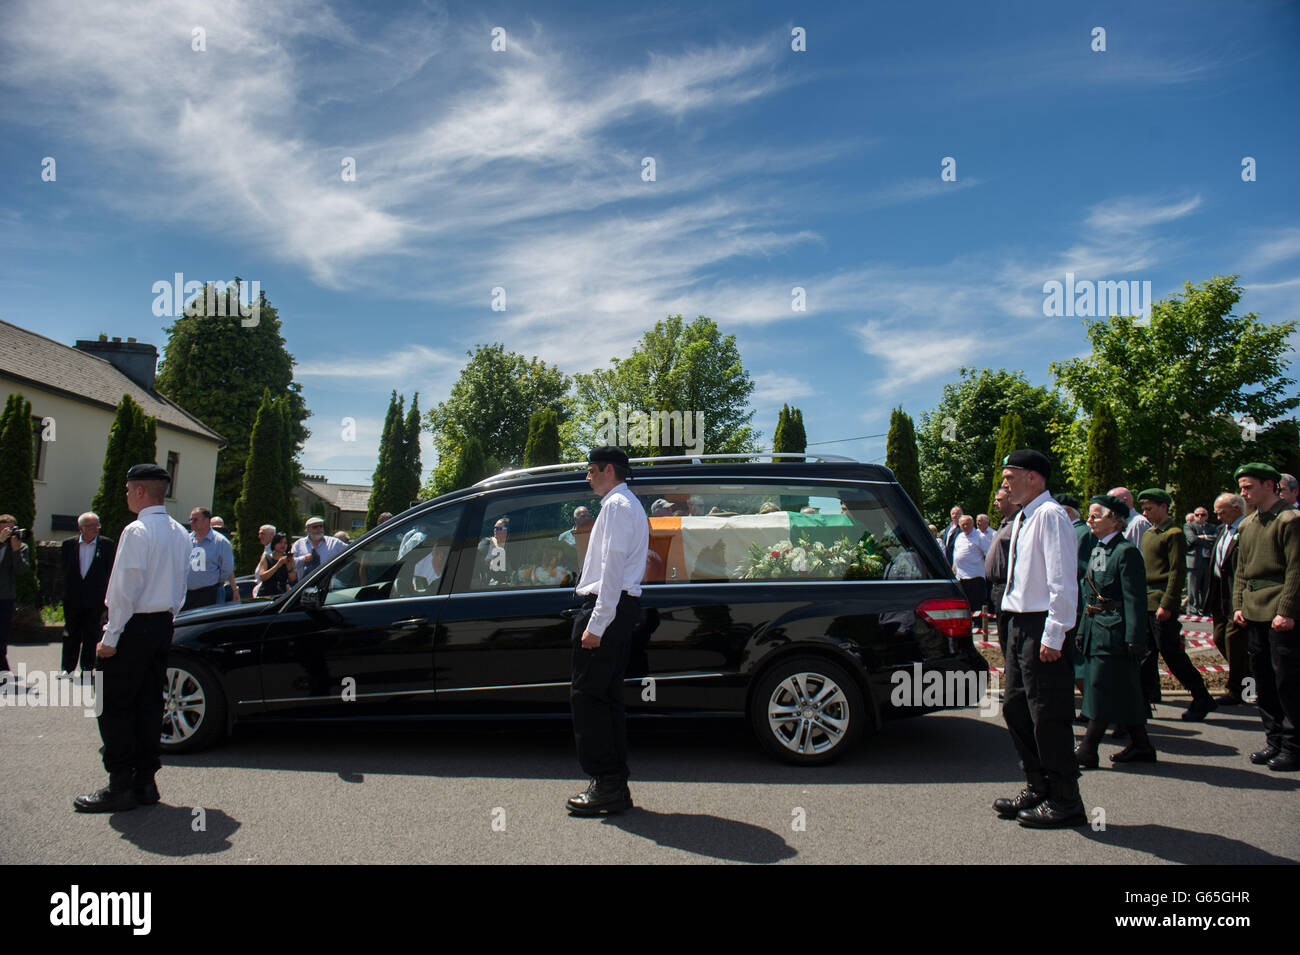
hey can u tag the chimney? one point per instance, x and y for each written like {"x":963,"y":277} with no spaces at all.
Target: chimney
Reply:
{"x":137,"y":360}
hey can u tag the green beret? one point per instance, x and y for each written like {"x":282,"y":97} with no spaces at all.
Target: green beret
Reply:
{"x":1159,"y":495}
{"x":1115,"y":504}
{"x":1257,"y":470}
{"x":1067,"y":500}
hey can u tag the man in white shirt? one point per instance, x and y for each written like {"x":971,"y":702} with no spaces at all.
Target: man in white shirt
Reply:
{"x":984,"y":530}
{"x":968,"y":563}
{"x":315,"y":549}
{"x":145,"y":592}
{"x":610,"y":588}
{"x":1137,"y":524}
{"x":1039,"y":606}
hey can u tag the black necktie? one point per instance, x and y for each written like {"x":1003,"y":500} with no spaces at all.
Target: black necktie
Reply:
{"x":1011,"y":559}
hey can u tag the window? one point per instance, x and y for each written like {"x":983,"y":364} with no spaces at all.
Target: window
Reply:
{"x":405,"y":561}
{"x":533,"y":542}
{"x":717,"y":533}
{"x":174,"y":469}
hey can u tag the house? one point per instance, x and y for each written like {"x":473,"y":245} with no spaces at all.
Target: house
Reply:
{"x":74,"y":394}
{"x":343,"y":506}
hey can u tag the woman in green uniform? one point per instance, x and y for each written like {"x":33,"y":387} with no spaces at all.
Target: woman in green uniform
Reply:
{"x":1113,"y":635}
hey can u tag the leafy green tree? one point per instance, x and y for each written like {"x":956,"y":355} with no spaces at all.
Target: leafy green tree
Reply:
{"x":958,"y":437}
{"x":391,"y":452}
{"x":1181,"y":385}
{"x":1011,"y":437}
{"x":288,"y":519}
{"x":1105,"y":469}
{"x":261,"y":500}
{"x":17,"y":484}
{"x":492,"y":401}
{"x":692,"y":369}
{"x":543,"y":439}
{"x":132,"y":439}
{"x":901,"y":454}
{"x":216,"y":369}
{"x":1278,"y":445}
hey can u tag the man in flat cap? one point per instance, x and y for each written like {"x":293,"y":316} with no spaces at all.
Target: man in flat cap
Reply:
{"x":1164,"y":551}
{"x":610,"y":588}
{"x":1266,"y":600}
{"x":1038,"y":608}
{"x":145,"y":592}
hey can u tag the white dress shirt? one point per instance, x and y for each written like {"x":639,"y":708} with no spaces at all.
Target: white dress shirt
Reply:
{"x":1137,"y":526}
{"x":1043,"y":567}
{"x":968,"y":555}
{"x":86,"y":554}
{"x":616,"y":555}
{"x":149,"y":574}
{"x":1222,"y":546}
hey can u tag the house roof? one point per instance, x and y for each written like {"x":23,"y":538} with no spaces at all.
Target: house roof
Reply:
{"x":346,"y":497}
{"x":52,"y":366}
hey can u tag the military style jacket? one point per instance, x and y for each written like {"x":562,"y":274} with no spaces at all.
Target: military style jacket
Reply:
{"x":1115,"y":581}
{"x":1267,"y":584}
{"x":1164,"y":552}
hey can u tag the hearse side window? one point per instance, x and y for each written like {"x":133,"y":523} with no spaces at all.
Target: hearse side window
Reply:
{"x":532,"y":541}
{"x":407,"y":561}
{"x":724,"y":533}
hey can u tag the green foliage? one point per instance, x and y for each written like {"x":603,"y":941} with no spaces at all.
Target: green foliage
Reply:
{"x":491,"y":402}
{"x":391,"y":443}
{"x":261,"y":500}
{"x":1011,"y":437}
{"x":1105,"y":468}
{"x":17,"y":484}
{"x":472,"y":465}
{"x":216,"y":370}
{"x":406,"y":482}
{"x":132,"y":440}
{"x":675,"y":367}
{"x":901,"y":455}
{"x":958,"y":437}
{"x":289,"y":519}
{"x":1180,"y":386}
{"x":543,"y":439}
{"x":1278,"y":445}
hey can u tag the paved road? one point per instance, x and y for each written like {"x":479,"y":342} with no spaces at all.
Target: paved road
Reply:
{"x":918,"y":792}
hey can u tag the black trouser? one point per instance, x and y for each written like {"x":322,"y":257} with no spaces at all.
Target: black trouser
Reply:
{"x":996,"y":590}
{"x":1165,"y":639}
{"x":1275,"y":665}
{"x":201,"y":597}
{"x":83,"y":626}
{"x":975,"y":589}
{"x":599,"y":721}
{"x":1234,"y":647}
{"x":132,"y":685}
{"x":1038,"y":703}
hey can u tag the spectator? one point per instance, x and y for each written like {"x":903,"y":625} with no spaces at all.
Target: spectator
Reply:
{"x":968,"y":563}
{"x":275,"y":571}
{"x":219,"y":525}
{"x":950,"y":533}
{"x":315,"y":549}
{"x":493,"y":566}
{"x":87,"y":563}
{"x":1288,"y":489}
{"x":1199,"y":533}
{"x":13,"y":564}
{"x":1137,"y":524}
{"x":984,"y":530}
{"x":343,"y":536}
{"x":1229,"y":636}
{"x":582,"y":521}
{"x":265,"y":534}
{"x":212,"y":562}
{"x":385,"y":516}
{"x":995,"y":562}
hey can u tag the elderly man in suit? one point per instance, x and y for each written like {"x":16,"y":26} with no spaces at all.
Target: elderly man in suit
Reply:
{"x":87,"y":565}
{"x":1229,"y":636}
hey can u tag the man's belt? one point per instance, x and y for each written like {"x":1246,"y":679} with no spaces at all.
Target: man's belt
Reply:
{"x":1102,"y":606}
{"x":1261,"y":583}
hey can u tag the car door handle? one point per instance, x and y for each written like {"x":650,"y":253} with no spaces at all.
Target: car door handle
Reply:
{"x":571,"y":613}
{"x":410,"y":623}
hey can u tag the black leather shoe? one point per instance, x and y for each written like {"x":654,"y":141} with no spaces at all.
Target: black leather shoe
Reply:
{"x":1134,"y":754}
{"x":1263,"y":756}
{"x":1119,"y":732}
{"x":1086,"y":759}
{"x":1199,"y":708}
{"x":1229,"y":699}
{"x":1284,"y":763}
{"x":146,"y":793}
{"x":1054,"y":814}
{"x":1028,"y":798}
{"x":605,"y":794}
{"x":106,"y":800}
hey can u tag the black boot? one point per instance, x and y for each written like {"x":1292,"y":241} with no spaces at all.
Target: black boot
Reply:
{"x":1035,"y":791}
{"x":1085,"y":754}
{"x":145,"y":789}
{"x":1201,"y":705}
{"x":116,"y":798}
{"x":605,"y":794}
{"x":1061,"y":810}
{"x":1139,"y":750}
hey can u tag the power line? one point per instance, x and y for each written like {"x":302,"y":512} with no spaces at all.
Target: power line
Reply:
{"x":842,"y":440}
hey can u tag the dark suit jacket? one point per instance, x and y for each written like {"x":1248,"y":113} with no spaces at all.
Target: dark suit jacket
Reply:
{"x":1219,"y":600}
{"x":88,"y":592}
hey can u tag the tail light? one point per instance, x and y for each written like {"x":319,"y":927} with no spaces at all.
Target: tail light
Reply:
{"x":949,"y":615}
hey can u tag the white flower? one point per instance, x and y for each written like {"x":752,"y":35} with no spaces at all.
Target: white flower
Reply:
{"x":798,"y":560}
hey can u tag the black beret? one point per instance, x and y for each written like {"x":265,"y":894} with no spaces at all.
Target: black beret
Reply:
{"x":148,"y":472}
{"x":1115,"y":504}
{"x":1067,"y":500}
{"x":1262,"y":472}
{"x":608,"y":454}
{"x":1029,"y":460}
{"x":1156,"y":494}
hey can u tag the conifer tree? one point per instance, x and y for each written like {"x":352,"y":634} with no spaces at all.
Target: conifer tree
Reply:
{"x":901,"y":455}
{"x":261,"y":500}
{"x":543,"y":439}
{"x":390,"y":456}
{"x":132,"y":440}
{"x":1105,"y":468}
{"x":17,"y":484}
{"x":1011,"y":437}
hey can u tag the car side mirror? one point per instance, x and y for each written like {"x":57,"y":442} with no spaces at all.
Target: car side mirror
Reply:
{"x":310,"y":599}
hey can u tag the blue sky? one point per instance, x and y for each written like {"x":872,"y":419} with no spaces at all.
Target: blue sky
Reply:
{"x":522,"y":169}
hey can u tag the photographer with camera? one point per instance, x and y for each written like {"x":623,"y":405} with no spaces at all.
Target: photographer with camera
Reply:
{"x":13,"y":563}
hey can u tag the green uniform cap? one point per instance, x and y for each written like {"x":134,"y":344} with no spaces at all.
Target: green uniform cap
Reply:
{"x":1258,"y":470}
{"x":1159,"y":495}
{"x":1116,"y":505}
